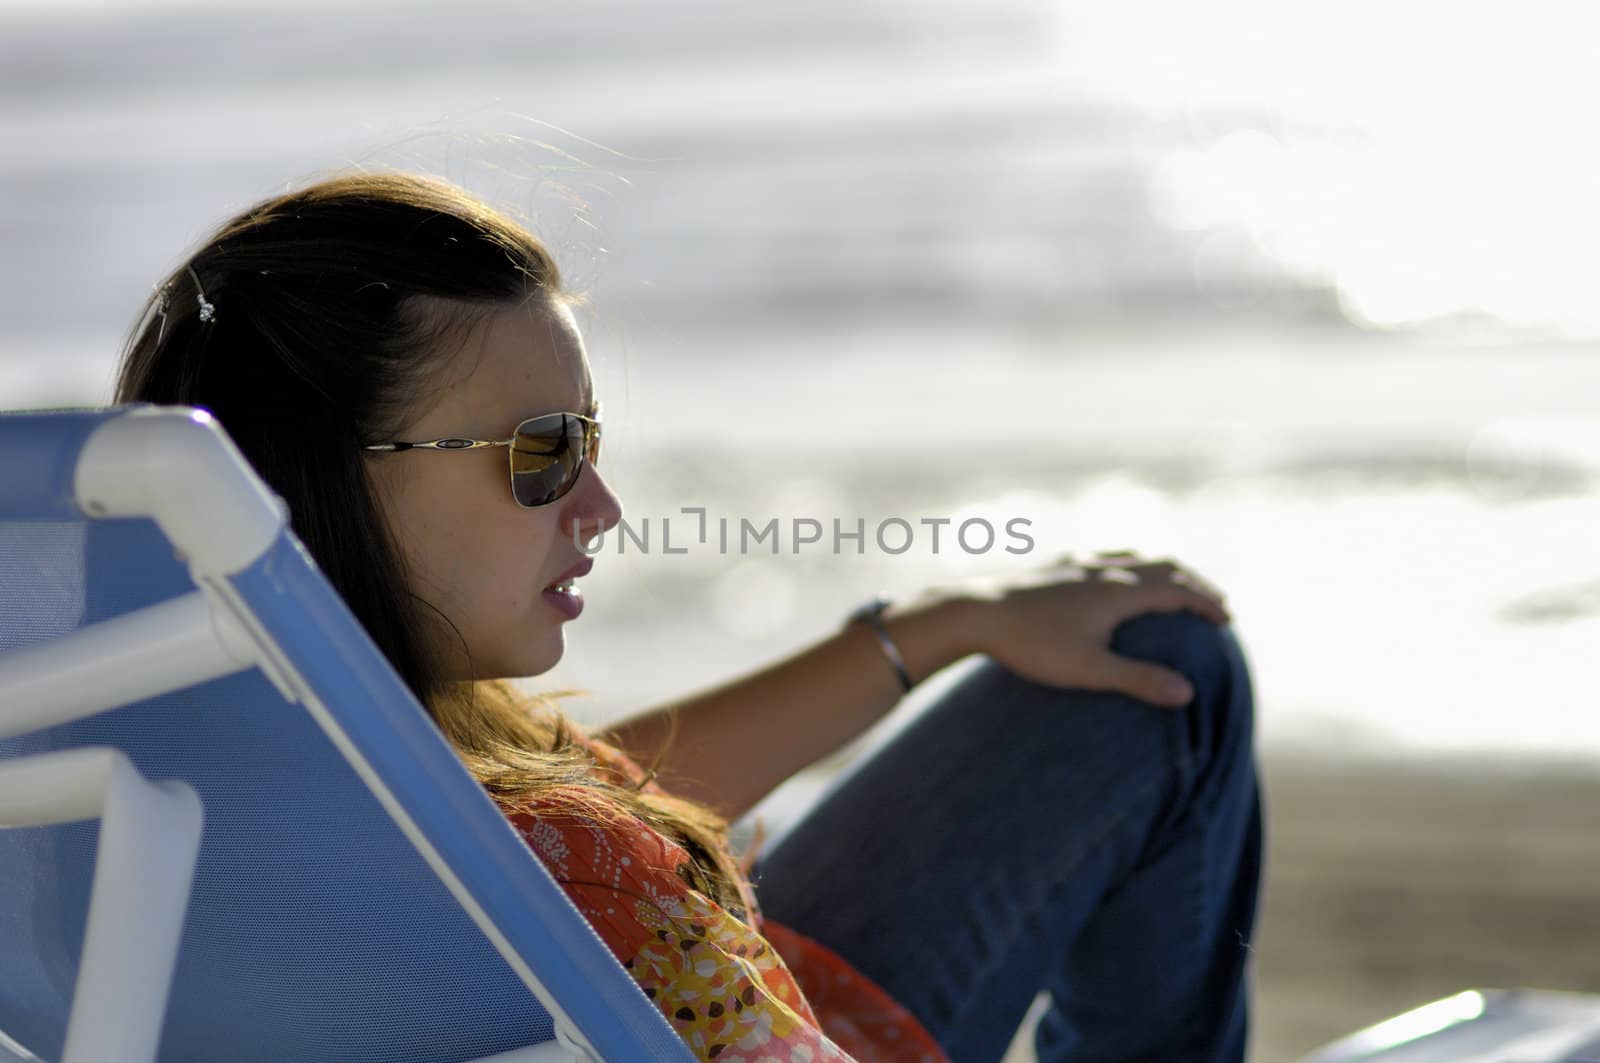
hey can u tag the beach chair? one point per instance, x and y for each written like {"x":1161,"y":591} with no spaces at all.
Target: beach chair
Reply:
{"x":1480,"y":1026}
{"x":228,"y":832}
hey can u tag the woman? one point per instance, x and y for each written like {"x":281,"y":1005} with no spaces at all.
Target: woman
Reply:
{"x":1079,"y":814}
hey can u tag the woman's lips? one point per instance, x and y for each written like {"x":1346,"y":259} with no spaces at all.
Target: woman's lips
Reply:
{"x":564,"y":594}
{"x":568,"y":600}
{"x":577,"y":571}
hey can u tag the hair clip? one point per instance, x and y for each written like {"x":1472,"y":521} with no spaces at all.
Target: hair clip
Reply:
{"x":162,"y":294}
{"x":207,"y":310}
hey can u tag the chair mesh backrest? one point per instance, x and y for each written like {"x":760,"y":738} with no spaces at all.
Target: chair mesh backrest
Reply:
{"x":315,"y":931}
{"x":272,"y":962}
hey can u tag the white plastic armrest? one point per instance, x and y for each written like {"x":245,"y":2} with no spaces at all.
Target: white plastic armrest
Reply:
{"x":149,"y":841}
{"x":12,"y":1052}
{"x":548,"y":1052}
{"x":567,"y":1047}
{"x":175,"y":466}
{"x":150,"y":651}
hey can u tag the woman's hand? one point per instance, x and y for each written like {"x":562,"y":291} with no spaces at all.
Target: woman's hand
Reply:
{"x":1054,"y":625}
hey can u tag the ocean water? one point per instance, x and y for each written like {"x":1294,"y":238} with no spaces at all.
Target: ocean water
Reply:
{"x":1409,"y":552}
{"x":894,"y":260}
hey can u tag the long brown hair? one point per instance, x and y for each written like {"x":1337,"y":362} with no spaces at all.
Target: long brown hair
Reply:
{"x":334,"y":305}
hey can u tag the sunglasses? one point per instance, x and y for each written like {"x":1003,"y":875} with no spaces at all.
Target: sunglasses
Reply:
{"x":547,"y":453}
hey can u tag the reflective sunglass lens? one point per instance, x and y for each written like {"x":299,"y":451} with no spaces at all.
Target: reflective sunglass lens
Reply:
{"x":545,"y":458}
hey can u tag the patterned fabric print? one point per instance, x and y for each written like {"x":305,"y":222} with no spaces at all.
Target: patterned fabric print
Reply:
{"x":612,"y":759}
{"x":781,"y":989}
{"x":723,"y":988}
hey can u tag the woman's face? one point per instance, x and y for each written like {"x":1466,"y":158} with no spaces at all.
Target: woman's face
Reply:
{"x":471,"y":551}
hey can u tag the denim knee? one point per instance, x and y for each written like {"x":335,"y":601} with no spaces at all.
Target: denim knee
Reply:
{"x":1206,"y":653}
{"x":1222,"y":714}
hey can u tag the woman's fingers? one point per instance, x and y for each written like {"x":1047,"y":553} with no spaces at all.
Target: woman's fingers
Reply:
{"x":1175,"y":597}
{"x":1055,"y":625}
{"x":1160,"y":584}
{"x":1174,"y":570}
{"x":1156,"y":567}
{"x":1117,"y":575}
{"x":1200,"y":583}
{"x":1103,"y":561}
{"x":1157,"y":684}
{"x":1171,"y":570}
{"x":1204,"y":590}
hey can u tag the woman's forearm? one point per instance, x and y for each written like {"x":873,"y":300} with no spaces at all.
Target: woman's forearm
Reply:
{"x":737,"y":741}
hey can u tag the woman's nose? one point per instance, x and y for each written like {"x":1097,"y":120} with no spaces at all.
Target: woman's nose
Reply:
{"x":593,"y":508}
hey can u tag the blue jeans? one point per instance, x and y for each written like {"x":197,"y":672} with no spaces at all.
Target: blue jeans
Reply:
{"x":1012,"y":837}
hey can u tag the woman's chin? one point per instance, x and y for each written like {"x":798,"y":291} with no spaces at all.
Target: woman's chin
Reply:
{"x":537,"y":647}
{"x":543,"y":651}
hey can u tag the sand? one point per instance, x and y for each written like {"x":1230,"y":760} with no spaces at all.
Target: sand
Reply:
{"x":1390,"y":885}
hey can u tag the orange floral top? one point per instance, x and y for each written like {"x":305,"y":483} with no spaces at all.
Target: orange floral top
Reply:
{"x":736,"y":992}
